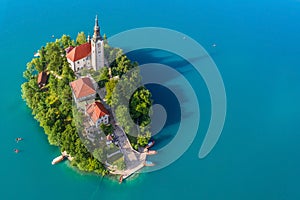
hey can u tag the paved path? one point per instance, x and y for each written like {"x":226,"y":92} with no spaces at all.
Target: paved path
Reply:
{"x":133,"y":159}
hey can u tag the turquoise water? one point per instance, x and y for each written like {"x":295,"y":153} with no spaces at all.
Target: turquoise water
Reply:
{"x":257,"y":156}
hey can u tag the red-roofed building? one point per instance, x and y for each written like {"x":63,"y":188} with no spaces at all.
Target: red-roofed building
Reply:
{"x":97,"y":113}
{"x":83,"y":89}
{"x":88,"y":55}
{"x":79,"y":57}
{"x":42,"y":79}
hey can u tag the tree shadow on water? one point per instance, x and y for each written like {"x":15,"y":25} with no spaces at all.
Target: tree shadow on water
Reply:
{"x":145,"y":56}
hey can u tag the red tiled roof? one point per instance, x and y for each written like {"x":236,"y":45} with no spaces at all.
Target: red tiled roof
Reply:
{"x":96,"y":110}
{"x":82,"y":87}
{"x":79,"y":52}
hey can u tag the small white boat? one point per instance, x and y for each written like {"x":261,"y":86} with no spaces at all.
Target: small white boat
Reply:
{"x":150,"y":144}
{"x":149,"y":163}
{"x":36,"y":54}
{"x":19,"y":139}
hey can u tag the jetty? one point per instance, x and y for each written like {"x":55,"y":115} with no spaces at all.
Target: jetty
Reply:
{"x":134,"y":160}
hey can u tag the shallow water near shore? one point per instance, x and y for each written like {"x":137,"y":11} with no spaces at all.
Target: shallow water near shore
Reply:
{"x":257,"y":53}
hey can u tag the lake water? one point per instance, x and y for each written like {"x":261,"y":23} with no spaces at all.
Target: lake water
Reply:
{"x":257,"y":53}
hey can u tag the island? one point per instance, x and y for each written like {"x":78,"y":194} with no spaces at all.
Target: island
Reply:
{"x":77,"y":92}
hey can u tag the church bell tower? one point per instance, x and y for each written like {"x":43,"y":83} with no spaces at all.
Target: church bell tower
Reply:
{"x":97,"y":51}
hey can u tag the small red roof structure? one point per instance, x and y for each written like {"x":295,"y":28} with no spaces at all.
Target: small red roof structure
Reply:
{"x":79,"y":52}
{"x":68,"y":49}
{"x":82,"y":87}
{"x":96,"y":110}
{"x":42,"y":79}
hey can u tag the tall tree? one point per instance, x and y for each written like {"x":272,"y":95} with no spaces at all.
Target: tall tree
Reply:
{"x":66,"y":41}
{"x":81,"y":38}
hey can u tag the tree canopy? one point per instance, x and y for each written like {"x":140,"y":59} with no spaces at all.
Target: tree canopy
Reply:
{"x":81,"y":38}
{"x":52,"y":105}
{"x":131,"y":101}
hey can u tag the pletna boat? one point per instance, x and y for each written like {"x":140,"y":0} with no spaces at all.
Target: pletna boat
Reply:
{"x":57,"y":159}
{"x":149,"y":163}
{"x":19,"y":139}
{"x":121,"y":179}
{"x":151,"y":152}
{"x":150,"y":144}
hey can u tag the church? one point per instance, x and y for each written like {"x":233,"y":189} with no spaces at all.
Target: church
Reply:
{"x":89,"y":54}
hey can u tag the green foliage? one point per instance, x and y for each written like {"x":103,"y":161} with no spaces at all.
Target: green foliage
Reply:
{"x":111,"y":54}
{"x":99,"y":153}
{"x":104,"y":37}
{"x":143,"y":140}
{"x":29,"y":72}
{"x":119,"y":62}
{"x":140,"y":104}
{"x":107,"y":129}
{"x":120,"y":163}
{"x":110,"y":86}
{"x":103,"y":77}
{"x":66,"y":41}
{"x":81,"y":38}
{"x":123,"y":118}
{"x":52,"y":107}
{"x":131,"y":102}
{"x":37,"y":63}
{"x":100,"y":76}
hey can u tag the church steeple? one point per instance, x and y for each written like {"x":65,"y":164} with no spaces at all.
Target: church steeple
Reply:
{"x":96,"y":29}
{"x":97,"y":48}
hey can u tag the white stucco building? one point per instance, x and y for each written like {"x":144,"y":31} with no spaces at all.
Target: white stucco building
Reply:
{"x":97,"y":113}
{"x":90,"y":54}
